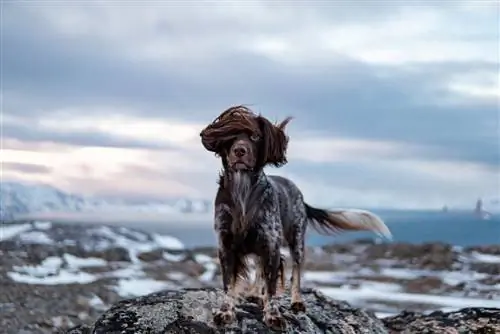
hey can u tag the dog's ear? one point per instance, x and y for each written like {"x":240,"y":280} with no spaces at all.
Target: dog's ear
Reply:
{"x":208,"y":143}
{"x":274,"y":142}
{"x":213,"y":144}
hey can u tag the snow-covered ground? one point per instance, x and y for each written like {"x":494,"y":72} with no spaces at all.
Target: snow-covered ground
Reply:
{"x":151,"y":262}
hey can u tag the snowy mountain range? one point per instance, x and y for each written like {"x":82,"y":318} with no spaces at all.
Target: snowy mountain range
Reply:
{"x":19,"y":199}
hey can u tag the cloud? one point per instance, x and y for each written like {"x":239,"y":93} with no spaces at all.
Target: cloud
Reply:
{"x":388,"y":98}
{"x":25,"y":168}
{"x":29,"y":134}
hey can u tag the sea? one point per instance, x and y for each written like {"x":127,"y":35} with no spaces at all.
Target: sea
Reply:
{"x":460,"y":228}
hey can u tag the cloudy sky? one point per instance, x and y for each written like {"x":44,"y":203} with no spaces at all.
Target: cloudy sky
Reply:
{"x":395,"y":104}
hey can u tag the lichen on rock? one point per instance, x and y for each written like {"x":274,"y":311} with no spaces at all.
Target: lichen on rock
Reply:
{"x":480,"y":320}
{"x":190,"y":311}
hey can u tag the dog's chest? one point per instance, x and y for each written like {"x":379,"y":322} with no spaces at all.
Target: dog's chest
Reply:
{"x":254,"y":238}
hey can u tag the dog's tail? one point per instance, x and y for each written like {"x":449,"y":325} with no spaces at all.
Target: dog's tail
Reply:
{"x":337,"y":221}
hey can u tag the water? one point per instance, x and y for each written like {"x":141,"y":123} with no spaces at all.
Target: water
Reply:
{"x":457,"y":228}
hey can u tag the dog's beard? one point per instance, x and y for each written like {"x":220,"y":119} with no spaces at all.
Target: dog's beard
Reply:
{"x":242,"y":189}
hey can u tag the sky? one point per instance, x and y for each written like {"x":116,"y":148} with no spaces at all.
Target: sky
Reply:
{"x":395,"y":103}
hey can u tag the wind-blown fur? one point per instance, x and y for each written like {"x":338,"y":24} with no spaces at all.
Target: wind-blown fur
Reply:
{"x":238,"y":120}
{"x":256,"y":213}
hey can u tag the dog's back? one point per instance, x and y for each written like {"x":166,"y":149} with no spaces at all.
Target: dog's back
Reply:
{"x":291,"y":204}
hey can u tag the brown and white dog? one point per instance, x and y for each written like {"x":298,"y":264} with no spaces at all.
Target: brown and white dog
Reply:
{"x":256,"y":213}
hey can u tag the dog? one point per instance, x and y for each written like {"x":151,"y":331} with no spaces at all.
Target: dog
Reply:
{"x":256,"y":213}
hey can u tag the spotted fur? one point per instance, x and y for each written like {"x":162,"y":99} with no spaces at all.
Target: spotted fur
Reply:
{"x":256,"y":213}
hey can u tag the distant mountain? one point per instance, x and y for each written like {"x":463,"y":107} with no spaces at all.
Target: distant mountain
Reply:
{"x":491,"y":205}
{"x":18,"y":198}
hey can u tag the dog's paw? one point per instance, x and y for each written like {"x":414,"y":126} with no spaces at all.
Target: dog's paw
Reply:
{"x":274,"y":320}
{"x":224,"y":316}
{"x":298,"y":306}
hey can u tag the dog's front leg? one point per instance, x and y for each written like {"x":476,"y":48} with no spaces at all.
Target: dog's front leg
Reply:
{"x":271,"y":267}
{"x":226,"y":314}
{"x":257,"y":288}
{"x":228,"y":263}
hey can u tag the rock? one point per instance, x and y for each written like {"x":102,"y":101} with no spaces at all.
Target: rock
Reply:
{"x":424,"y":284}
{"x":492,"y":269}
{"x":80,"y":329}
{"x":468,"y":320}
{"x":112,"y":254}
{"x":486,"y":249}
{"x":190,"y":311}
{"x":433,"y":256}
{"x":151,"y":256}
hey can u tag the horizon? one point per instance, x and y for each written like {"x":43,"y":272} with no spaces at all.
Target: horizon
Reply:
{"x":416,"y":226}
{"x":170,"y":201}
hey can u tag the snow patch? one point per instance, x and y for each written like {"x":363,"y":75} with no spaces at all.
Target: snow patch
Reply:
{"x":485,"y":258}
{"x":368,"y":292}
{"x":168,"y":242}
{"x":139,"y":286}
{"x":79,"y":262}
{"x":35,"y":237}
{"x":62,"y":277}
{"x":42,"y":225}
{"x":8,"y":231}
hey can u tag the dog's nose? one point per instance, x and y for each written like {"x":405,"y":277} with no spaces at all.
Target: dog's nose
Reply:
{"x":240,"y":151}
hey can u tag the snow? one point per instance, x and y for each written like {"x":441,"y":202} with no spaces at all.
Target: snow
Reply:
{"x":32,"y":200}
{"x":173,"y":257}
{"x":100,"y":238}
{"x":168,"y":242}
{"x":326,"y":276}
{"x":134,"y":270}
{"x":42,"y":225}
{"x":36,"y":237}
{"x":135,"y":247}
{"x":485,"y":258}
{"x":97,"y":303}
{"x":210,"y":267}
{"x":203,"y":259}
{"x":448,"y":277}
{"x":78,"y":262}
{"x":49,"y":266}
{"x":62,"y":277}
{"x":68,"y":268}
{"x":177,"y":276}
{"x":367,"y":292}
{"x":139,"y":286}
{"x":55,"y":270}
{"x":132,"y":280}
{"x":8,"y":231}
{"x":43,"y":202}
{"x":382,"y":315}
{"x":209,"y":273}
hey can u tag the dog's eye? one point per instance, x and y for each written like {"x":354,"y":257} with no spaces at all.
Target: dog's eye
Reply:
{"x":254,"y":138}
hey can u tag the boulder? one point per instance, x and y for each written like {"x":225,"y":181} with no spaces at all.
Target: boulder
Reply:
{"x":190,"y":311}
{"x":467,"y":320}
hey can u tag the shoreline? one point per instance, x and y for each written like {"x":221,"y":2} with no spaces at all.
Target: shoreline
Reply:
{"x":69,"y":274}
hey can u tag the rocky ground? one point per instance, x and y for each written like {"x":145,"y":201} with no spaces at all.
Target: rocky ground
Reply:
{"x":55,"y":276}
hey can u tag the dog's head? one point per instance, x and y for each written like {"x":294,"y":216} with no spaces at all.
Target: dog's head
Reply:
{"x":246,"y":141}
